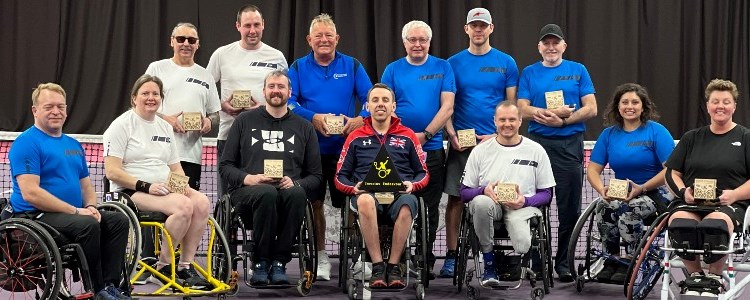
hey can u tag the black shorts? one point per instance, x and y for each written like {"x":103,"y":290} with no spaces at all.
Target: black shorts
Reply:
{"x":735,"y":211}
{"x":329,"y":162}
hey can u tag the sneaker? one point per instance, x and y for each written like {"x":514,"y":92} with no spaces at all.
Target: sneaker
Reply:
{"x":324,"y":267}
{"x":716,"y":286}
{"x":449,"y":267}
{"x":278,"y":273}
{"x":700,"y":284}
{"x":165,"y":270}
{"x":192,"y":279}
{"x":395,"y":277}
{"x":610,"y":267}
{"x":619,"y":275}
{"x":377,"y":280}
{"x":143,"y":279}
{"x":565,"y":276}
{"x":357,"y":270}
{"x":490,"y":273}
{"x":115,"y":292}
{"x":260,"y":273}
{"x":105,"y":295}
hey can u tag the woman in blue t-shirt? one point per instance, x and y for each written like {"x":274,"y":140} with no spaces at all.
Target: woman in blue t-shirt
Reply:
{"x":635,"y":147}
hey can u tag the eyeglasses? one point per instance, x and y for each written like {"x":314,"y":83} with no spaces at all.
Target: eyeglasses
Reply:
{"x":414,"y":40}
{"x":181,"y":39}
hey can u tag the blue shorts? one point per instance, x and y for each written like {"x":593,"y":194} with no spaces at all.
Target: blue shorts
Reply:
{"x":401,"y":199}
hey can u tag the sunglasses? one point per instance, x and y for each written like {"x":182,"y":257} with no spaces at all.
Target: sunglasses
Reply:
{"x":181,"y":39}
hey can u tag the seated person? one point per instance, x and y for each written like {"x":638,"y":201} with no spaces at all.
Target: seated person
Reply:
{"x":508,"y":158}
{"x":635,"y":147}
{"x":51,"y":184}
{"x":139,"y":154}
{"x":276,"y":206}
{"x":382,"y":129}
{"x":717,"y":151}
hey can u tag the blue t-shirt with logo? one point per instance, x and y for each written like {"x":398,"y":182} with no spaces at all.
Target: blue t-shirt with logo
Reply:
{"x":60,"y":163}
{"x":481,"y":81}
{"x":418,"y":90}
{"x":570,"y":77}
{"x":637,"y":155}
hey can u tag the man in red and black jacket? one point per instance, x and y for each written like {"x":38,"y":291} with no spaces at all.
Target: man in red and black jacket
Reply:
{"x":361,"y":148}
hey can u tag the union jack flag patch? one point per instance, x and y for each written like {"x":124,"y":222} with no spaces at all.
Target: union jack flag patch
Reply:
{"x":397,"y":142}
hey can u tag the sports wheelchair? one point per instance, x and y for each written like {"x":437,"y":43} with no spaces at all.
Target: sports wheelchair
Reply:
{"x":237,"y":229}
{"x":352,"y":247}
{"x":658,"y":256}
{"x":217,"y":262}
{"x":587,"y":252}
{"x":32,"y":265}
{"x":511,"y":268}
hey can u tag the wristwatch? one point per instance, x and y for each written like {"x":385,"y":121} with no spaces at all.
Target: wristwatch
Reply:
{"x":427,"y":135}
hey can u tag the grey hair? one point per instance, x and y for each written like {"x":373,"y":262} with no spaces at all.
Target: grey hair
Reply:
{"x":185,"y":24}
{"x":323,"y":19}
{"x":416,"y":24}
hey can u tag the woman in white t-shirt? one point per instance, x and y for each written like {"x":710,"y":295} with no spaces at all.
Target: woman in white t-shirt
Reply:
{"x":139,"y":154}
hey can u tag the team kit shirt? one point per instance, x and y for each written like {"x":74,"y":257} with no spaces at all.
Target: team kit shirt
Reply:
{"x":481,"y":81}
{"x":59,"y":162}
{"x":525,"y":164}
{"x":332,"y":89}
{"x":186,"y":89}
{"x":637,"y":155}
{"x":418,"y":90}
{"x":146,"y":148}
{"x":236,"y":68}
{"x":570,"y":77}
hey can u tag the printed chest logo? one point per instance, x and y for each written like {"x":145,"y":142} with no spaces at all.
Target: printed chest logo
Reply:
{"x":339,"y":75}
{"x":492,"y":70}
{"x":157,"y":138}
{"x":272,"y":140}
{"x":737,"y":144}
{"x":397,"y":142}
{"x":569,"y":77}
{"x":525,"y":162}
{"x":367,"y":142}
{"x":264,"y":65}
{"x":431,"y":76}
{"x":193,"y":80}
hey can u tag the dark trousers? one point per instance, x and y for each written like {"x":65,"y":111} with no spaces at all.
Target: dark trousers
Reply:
{"x":220,"y":183}
{"x":566,"y":156}
{"x":193,"y":172}
{"x":103,"y":243}
{"x":431,"y":195}
{"x":276,"y":216}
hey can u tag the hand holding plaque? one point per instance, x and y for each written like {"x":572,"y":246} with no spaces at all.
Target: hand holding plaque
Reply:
{"x":192,"y":121}
{"x":335,"y":124}
{"x":273,"y":168}
{"x":242,"y":99}
{"x":704,"y":191}
{"x":466,"y":138}
{"x":177,"y":183}
{"x":506,"y":192}
{"x":618,"y":189}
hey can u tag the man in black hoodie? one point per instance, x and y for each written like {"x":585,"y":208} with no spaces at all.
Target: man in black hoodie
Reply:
{"x":274,"y":206}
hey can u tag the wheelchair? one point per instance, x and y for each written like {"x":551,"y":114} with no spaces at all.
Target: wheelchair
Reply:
{"x":32,"y":265}
{"x":353,"y":248}
{"x":587,"y":253}
{"x":304,"y":242}
{"x":658,"y":256}
{"x":509,"y":266}
{"x":217,"y":262}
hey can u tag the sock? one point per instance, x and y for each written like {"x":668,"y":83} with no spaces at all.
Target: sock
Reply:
{"x":183,"y":265}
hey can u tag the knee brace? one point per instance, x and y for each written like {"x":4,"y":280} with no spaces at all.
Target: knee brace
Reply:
{"x":682,"y":236}
{"x":715,"y":234}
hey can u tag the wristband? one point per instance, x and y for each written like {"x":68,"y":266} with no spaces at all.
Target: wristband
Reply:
{"x":681,"y":193}
{"x":142,"y":186}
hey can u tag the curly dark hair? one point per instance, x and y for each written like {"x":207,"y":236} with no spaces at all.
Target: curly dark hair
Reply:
{"x":613,"y":117}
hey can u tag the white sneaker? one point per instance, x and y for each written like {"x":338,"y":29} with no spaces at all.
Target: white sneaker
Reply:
{"x":692,"y":293}
{"x":357,"y":270}
{"x":324,"y":267}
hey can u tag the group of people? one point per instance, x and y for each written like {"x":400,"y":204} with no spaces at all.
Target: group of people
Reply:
{"x":420,"y":97}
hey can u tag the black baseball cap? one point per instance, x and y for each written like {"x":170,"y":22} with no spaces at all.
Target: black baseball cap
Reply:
{"x":551,"y":29}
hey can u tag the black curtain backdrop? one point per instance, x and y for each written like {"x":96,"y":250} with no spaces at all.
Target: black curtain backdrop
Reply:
{"x":97,"y":48}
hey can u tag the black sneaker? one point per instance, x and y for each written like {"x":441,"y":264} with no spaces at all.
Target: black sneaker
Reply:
{"x":395,"y":277}
{"x":378,"y":275}
{"x":620,"y":275}
{"x":165,"y":270}
{"x":192,"y":279}
{"x":605,"y":275}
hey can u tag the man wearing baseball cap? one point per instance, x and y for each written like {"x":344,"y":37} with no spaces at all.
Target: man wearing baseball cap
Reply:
{"x":485,"y":77}
{"x":557,"y":96}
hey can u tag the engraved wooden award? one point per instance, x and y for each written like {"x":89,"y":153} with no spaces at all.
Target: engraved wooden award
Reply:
{"x":192,"y":121}
{"x":273,"y":168}
{"x":466,"y":138}
{"x":241,"y":99}
{"x":554,"y":99}
{"x":177,"y":183}
{"x":335,"y":124}
{"x":618,"y":189}
{"x":705,"y":190}
{"x":506,"y":192}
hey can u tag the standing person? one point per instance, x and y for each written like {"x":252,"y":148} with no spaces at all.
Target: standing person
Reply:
{"x":635,"y":147}
{"x":567,"y":86}
{"x":275,"y":206}
{"x":51,"y":184}
{"x":485,"y":77}
{"x":346,"y":83}
{"x":188,"y":87}
{"x":425,"y":88}
{"x":242,"y":65}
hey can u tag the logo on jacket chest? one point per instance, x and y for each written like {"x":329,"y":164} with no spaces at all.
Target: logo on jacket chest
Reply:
{"x":273,"y":140}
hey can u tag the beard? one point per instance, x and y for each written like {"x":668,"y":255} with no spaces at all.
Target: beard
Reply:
{"x":276,"y":100}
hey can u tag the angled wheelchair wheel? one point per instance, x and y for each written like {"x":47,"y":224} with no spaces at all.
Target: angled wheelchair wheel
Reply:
{"x":220,"y":258}
{"x":308,"y":256}
{"x":30,"y":263}
{"x":133,"y":250}
{"x":585,"y":250}
{"x":422,"y":241}
{"x":645,"y":269}
{"x":462,"y":251}
{"x":223,"y":211}
{"x":544,"y":255}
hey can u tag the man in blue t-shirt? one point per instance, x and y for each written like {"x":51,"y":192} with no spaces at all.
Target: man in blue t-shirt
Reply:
{"x":425,"y":88}
{"x":327,"y":83}
{"x":51,"y":185}
{"x":485,"y":77}
{"x":557,"y":95}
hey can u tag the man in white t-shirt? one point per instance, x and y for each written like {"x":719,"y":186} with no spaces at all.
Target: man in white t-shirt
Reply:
{"x":507,"y":158}
{"x":188,"y":88}
{"x":243,"y":65}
